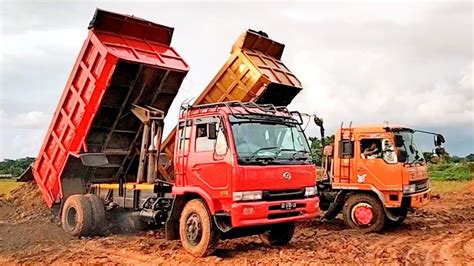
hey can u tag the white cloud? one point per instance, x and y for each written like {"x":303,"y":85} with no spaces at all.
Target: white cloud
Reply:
{"x":30,"y":120}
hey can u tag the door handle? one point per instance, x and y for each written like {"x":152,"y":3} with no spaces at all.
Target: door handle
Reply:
{"x":196,"y":168}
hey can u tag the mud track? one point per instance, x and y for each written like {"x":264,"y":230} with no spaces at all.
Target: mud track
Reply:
{"x":441,"y":233}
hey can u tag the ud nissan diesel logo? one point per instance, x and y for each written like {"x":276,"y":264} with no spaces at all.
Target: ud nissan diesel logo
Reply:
{"x":286,"y":175}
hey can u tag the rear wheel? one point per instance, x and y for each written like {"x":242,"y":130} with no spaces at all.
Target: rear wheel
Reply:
{"x":98,"y":214}
{"x":364,"y":212}
{"x":197,"y":232}
{"x":278,"y":234}
{"x":76,"y":217}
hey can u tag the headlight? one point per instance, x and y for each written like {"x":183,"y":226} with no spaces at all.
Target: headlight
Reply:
{"x":409,"y":189}
{"x":247,"y":195}
{"x":310,"y":191}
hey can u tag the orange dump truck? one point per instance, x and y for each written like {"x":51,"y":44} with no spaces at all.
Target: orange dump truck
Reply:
{"x":374,"y":175}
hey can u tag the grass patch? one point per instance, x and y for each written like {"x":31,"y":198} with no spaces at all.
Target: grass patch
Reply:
{"x":441,"y":187}
{"x":7,"y":185}
{"x":452,"y":172}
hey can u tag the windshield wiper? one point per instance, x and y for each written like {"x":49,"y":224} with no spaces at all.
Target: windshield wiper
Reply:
{"x":255,"y":153}
{"x":280,"y":150}
{"x":301,"y":158}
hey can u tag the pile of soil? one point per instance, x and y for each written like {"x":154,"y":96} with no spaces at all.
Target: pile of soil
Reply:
{"x":27,"y":225}
{"x":28,"y":203}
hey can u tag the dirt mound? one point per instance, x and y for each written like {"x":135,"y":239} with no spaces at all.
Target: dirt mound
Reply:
{"x":28,"y":202}
{"x":440,"y":233}
{"x":27,"y":224}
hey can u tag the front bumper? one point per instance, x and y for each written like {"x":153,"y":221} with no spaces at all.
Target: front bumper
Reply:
{"x":270,"y":212}
{"x":419,"y":200}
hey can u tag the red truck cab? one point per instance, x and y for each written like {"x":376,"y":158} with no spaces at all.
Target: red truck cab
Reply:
{"x":249,"y":163}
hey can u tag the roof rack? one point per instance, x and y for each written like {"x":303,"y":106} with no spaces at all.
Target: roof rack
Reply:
{"x":267,"y":110}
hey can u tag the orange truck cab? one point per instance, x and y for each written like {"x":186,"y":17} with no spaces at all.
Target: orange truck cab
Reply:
{"x":374,"y":175}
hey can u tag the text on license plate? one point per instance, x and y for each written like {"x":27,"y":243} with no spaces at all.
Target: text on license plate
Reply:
{"x":288,"y":205}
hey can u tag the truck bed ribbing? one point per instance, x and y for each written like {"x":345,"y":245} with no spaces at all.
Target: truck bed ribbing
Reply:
{"x":124,"y":60}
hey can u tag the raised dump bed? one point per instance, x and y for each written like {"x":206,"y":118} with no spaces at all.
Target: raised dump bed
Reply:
{"x":253,"y":73}
{"x":125,"y":60}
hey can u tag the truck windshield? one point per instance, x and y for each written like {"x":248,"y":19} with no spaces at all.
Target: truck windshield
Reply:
{"x":409,"y":146}
{"x":270,"y":143}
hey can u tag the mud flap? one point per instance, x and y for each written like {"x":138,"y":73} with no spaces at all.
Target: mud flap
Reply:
{"x":172,"y":223}
{"x":335,"y":207}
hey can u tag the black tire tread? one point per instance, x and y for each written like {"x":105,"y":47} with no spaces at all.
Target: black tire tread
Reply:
{"x":376,"y":207}
{"x":84,"y":214}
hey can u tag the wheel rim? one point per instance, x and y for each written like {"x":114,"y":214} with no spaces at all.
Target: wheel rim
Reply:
{"x":71,"y":218}
{"x":362,"y":214}
{"x":194,"y":229}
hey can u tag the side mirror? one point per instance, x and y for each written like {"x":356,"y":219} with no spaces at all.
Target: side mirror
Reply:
{"x":439,"y":151}
{"x":212,"y":131}
{"x":434,"y":159}
{"x":346,"y":148}
{"x":163,"y":159}
{"x":398,"y":141}
{"x":402,"y":157}
{"x":439,"y":140}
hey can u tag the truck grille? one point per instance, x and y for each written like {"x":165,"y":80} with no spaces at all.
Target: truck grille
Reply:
{"x":289,"y":194}
{"x":422,"y":186}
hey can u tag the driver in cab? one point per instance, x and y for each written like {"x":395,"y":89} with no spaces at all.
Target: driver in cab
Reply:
{"x":371,"y":152}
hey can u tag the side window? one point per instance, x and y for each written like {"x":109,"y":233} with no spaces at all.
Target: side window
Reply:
{"x":205,"y":136}
{"x":371,"y":148}
{"x":388,"y":152}
{"x":221,"y":142}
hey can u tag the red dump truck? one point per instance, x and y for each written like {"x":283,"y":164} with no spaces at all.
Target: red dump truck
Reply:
{"x":237,"y":168}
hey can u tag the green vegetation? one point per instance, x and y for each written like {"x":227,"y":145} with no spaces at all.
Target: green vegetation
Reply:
{"x":451,"y":171}
{"x":316,"y":148}
{"x":14,"y":167}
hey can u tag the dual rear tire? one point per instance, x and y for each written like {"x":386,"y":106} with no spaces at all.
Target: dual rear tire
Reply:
{"x":83,"y":215}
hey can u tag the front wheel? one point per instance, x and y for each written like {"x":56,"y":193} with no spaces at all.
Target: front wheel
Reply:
{"x":197,"y":232}
{"x":278,"y":234}
{"x":364,"y":212}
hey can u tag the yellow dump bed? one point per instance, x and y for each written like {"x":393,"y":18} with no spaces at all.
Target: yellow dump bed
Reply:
{"x":253,"y":73}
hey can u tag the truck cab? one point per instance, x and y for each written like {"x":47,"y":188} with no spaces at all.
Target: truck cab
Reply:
{"x":373,"y":174}
{"x":249,"y":165}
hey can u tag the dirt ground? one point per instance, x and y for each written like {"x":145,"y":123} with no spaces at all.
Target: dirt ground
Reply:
{"x":441,"y":233}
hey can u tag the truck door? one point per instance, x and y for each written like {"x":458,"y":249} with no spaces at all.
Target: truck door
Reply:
{"x":377,"y":164}
{"x":209,"y":160}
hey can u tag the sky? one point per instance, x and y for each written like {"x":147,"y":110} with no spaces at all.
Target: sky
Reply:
{"x":404,"y":62}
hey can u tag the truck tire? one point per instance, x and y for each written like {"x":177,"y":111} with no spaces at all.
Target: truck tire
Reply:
{"x":98,"y":214}
{"x":364,"y":212}
{"x":197,"y":232}
{"x":402,"y":215}
{"x":278,"y":234}
{"x":76,"y":217}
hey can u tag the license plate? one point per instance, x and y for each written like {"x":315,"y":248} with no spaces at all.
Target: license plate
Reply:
{"x":288,"y":205}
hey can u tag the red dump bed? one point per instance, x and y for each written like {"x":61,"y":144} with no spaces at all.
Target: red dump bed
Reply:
{"x":124,"y":60}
